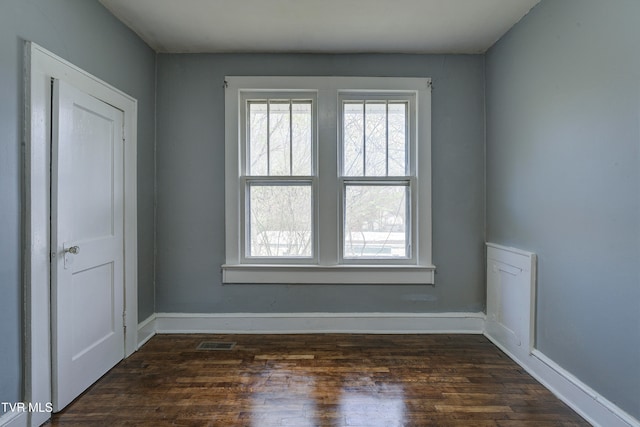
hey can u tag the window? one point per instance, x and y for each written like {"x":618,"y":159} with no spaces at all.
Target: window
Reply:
{"x":376,"y":175}
{"x":328,"y":180}
{"x":278,"y":173}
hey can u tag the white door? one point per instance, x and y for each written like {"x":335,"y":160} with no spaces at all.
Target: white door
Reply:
{"x":87,"y":211}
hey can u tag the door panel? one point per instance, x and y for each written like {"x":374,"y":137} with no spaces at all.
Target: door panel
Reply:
{"x":87,"y":240}
{"x":92,"y":294}
{"x":93,"y":211}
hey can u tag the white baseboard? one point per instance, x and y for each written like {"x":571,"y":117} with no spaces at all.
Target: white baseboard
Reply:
{"x":14,"y":419}
{"x":146,"y":330}
{"x":594,"y":408}
{"x":281,"y":323}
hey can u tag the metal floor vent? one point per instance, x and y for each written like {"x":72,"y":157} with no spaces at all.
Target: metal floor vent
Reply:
{"x":215,"y":345}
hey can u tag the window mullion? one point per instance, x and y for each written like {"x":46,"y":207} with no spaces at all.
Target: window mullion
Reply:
{"x":386,"y":127}
{"x":268,"y":137}
{"x":290,"y":137}
{"x":410,"y":151}
{"x":278,"y":180}
{"x":364,"y":138}
{"x":328,"y":204}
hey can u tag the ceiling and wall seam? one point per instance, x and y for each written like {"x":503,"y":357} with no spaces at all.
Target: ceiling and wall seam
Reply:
{"x":331,"y":26}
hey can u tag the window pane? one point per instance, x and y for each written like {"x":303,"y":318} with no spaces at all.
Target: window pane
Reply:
{"x":375,"y":223}
{"x":280,"y":221}
{"x":376,"y":139}
{"x":257,"y":136}
{"x":397,"y":139}
{"x":279,"y":138}
{"x":301,"y":137}
{"x":353,"y":139}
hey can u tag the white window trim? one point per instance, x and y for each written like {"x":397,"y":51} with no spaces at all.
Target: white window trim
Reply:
{"x":328,"y":267}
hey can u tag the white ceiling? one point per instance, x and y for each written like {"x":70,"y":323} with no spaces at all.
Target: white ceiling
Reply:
{"x":339,"y":26}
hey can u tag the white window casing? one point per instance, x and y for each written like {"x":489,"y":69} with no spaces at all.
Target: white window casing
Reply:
{"x":327,"y":181}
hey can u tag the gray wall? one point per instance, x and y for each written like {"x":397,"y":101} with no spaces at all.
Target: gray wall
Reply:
{"x":84,"y":33}
{"x":190,"y":178}
{"x":563,"y":180}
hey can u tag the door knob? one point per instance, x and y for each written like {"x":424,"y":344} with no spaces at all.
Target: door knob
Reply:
{"x":75,"y":250}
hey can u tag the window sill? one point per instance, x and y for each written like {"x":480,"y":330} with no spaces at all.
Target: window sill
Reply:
{"x":335,"y":274}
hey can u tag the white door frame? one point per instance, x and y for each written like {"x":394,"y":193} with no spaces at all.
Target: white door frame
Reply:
{"x":40,"y":67}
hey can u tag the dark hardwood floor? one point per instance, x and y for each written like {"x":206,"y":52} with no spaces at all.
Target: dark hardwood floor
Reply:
{"x":319,"y":380}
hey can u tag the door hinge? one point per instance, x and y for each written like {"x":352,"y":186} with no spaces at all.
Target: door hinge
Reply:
{"x":124,"y":320}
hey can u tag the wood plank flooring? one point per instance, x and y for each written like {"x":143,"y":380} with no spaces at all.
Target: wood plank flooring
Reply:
{"x":327,"y":380}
